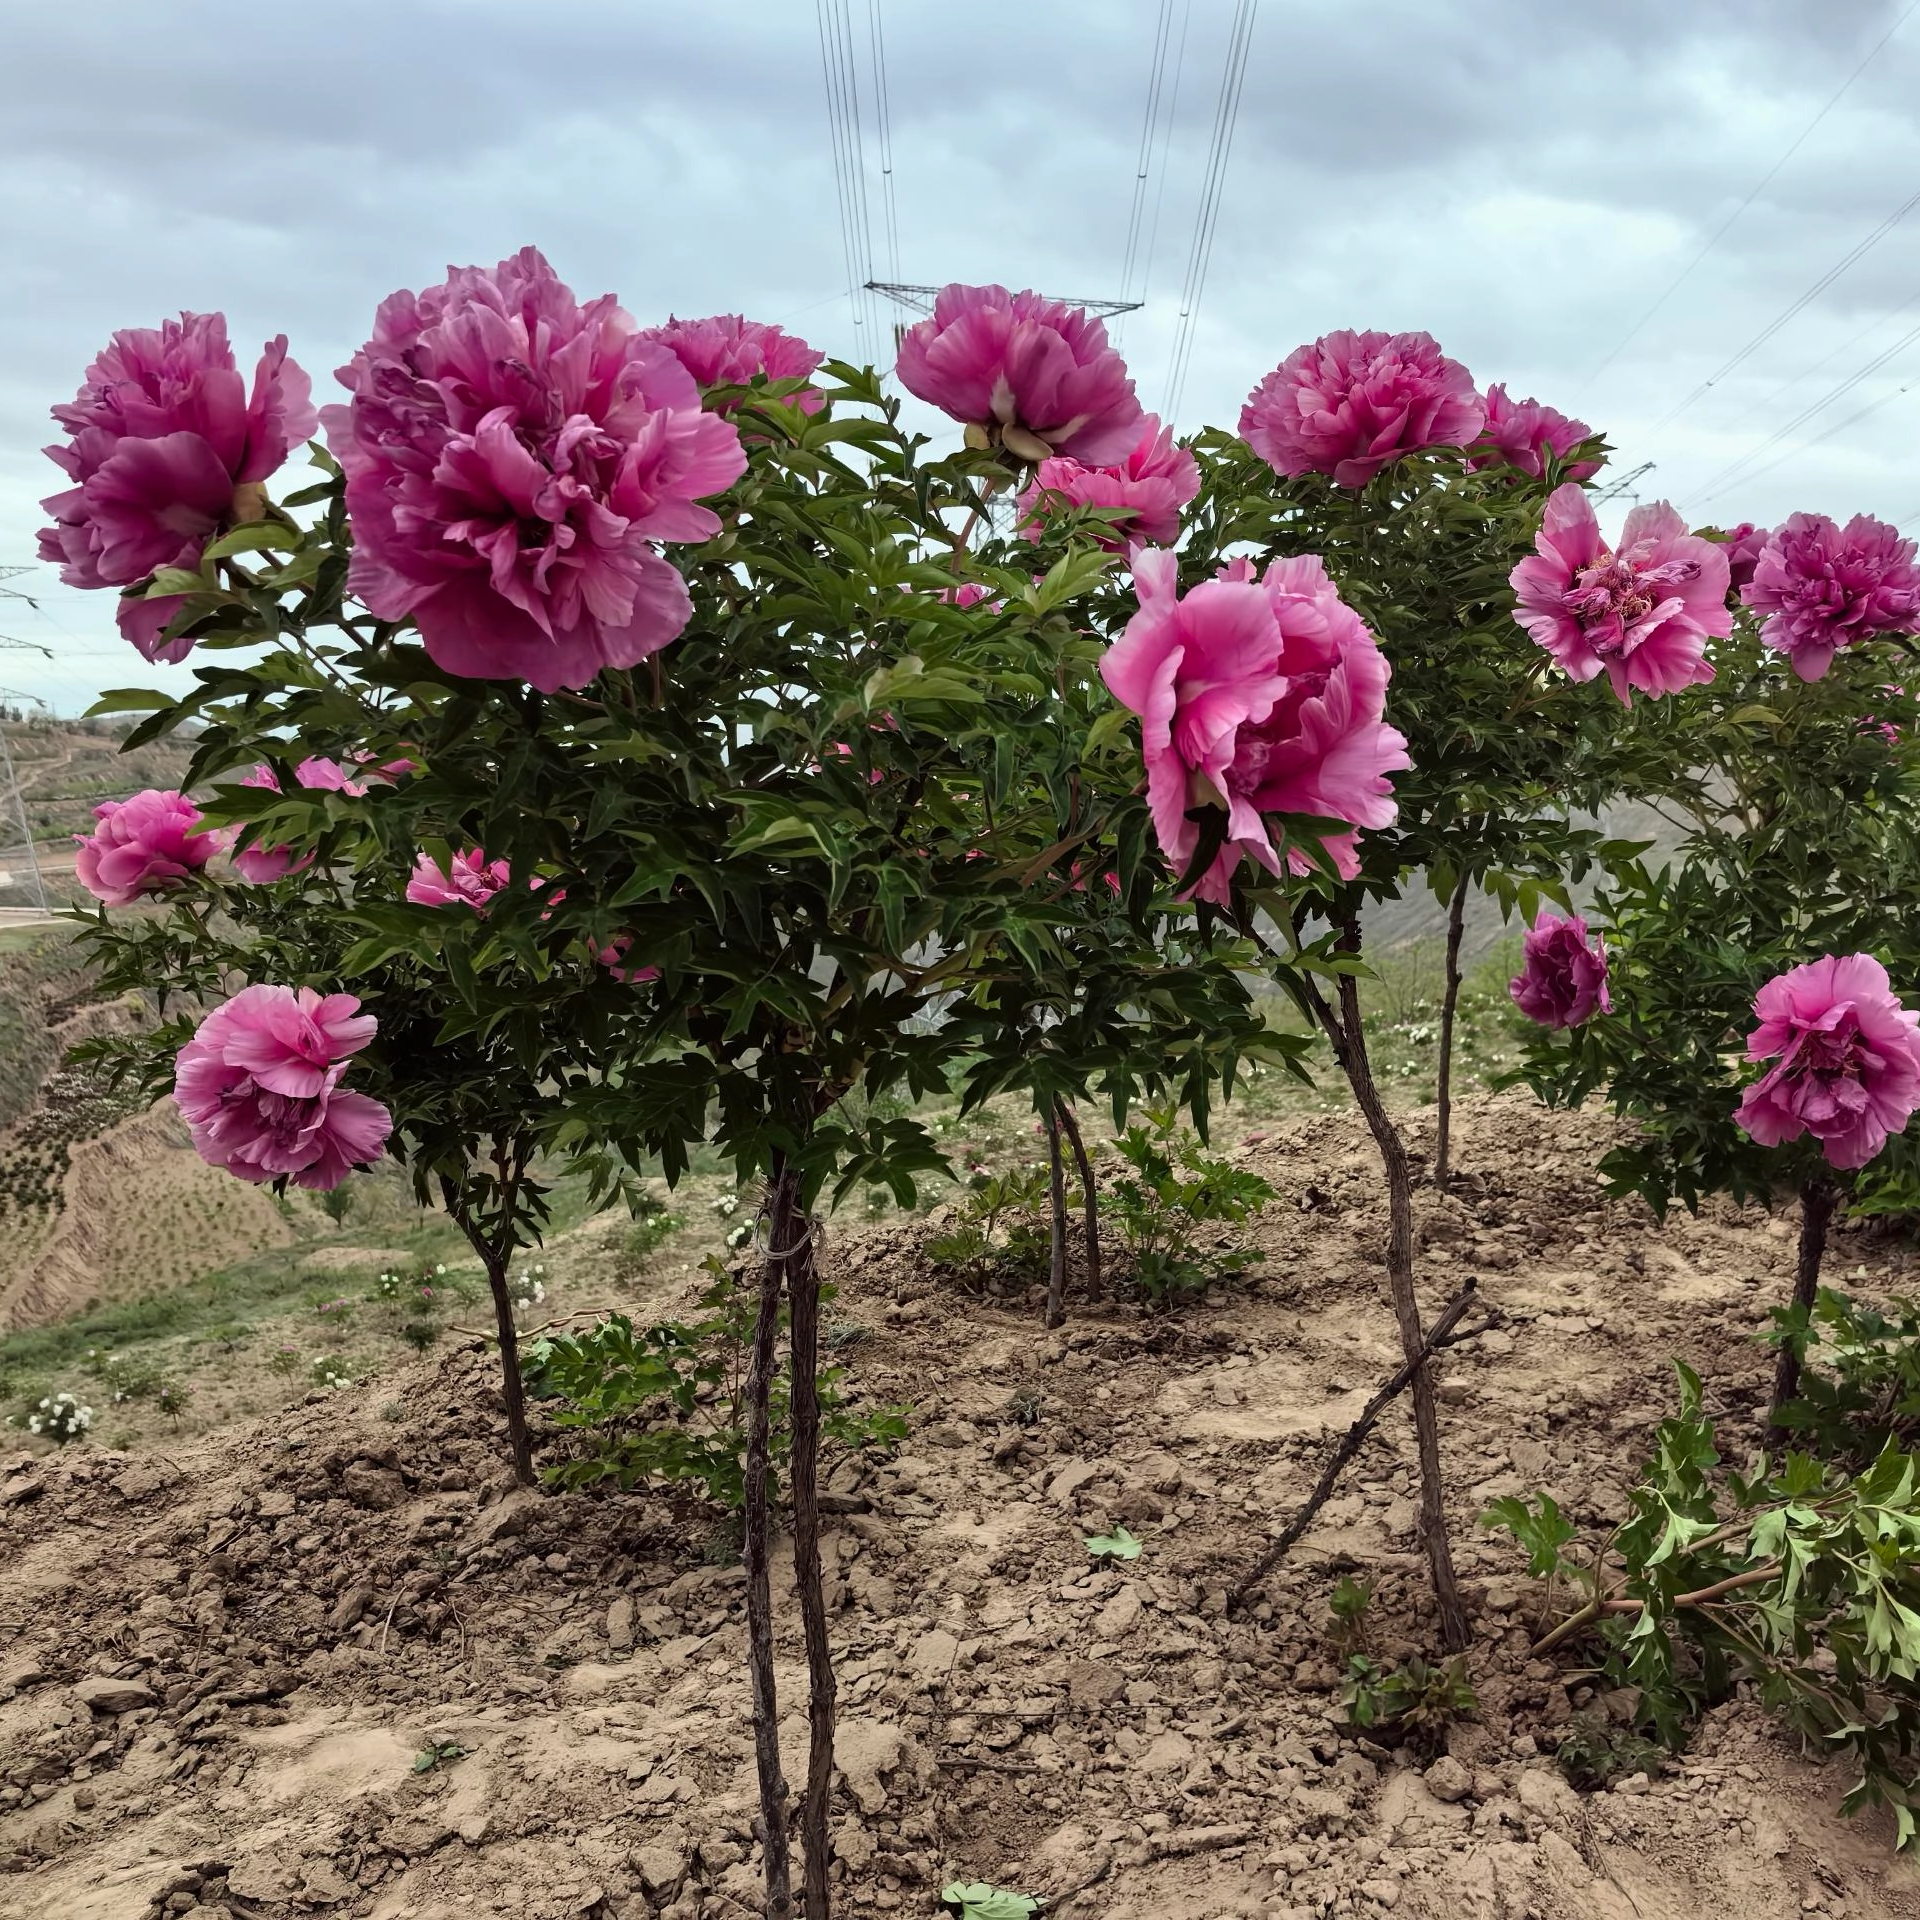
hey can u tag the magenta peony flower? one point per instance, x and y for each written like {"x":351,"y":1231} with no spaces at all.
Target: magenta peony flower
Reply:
{"x":1350,"y":403}
{"x":470,"y":880}
{"x":1849,"y":1059}
{"x":1152,"y":483}
{"x":259,"y":1087}
{"x":727,"y":351}
{"x":513,"y":460}
{"x":1823,"y":587}
{"x":162,"y":436}
{"x":1744,"y":544}
{"x":1644,"y":612}
{"x":1032,"y":374}
{"x":147,"y":844}
{"x":1260,"y":697}
{"x":1563,"y":973}
{"x":613,"y":956}
{"x":261,"y":866}
{"x":1522,"y":434}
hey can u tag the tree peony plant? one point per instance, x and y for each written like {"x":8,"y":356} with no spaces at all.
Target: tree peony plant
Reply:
{"x":1563,"y":976}
{"x":727,"y":351}
{"x":1821,"y":587}
{"x":167,"y":447}
{"x":513,"y":460}
{"x":1144,"y":492}
{"x":1350,"y":404}
{"x":1032,"y":375}
{"x":1643,"y":612}
{"x":469,"y":879}
{"x":1529,"y":436}
{"x":146,"y":844}
{"x":261,"y":866}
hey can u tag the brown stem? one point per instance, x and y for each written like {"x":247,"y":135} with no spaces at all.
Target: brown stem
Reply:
{"x":803,"y":1290}
{"x":1089,"y":1196}
{"x":1818,"y":1198}
{"x":1449,"y":1004}
{"x":1057,"y":1209}
{"x":1353,"y":1440}
{"x":1349,"y":1042}
{"x":494,"y":1255}
{"x":759,"y":1530}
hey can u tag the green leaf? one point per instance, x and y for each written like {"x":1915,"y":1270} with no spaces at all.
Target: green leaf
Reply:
{"x":978,"y":1901}
{"x":1117,"y":1545}
{"x":130,"y":700}
{"x":251,"y":538}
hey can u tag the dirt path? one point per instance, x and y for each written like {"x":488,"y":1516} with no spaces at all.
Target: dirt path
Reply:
{"x":268,"y":1626}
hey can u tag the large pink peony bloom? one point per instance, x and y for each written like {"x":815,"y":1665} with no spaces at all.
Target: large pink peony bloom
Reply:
{"x":513,"y":459}
{"x":1152,"y":484}
{"x":1745,"y":544}
{"x":1644,"y":611}
{"x":469,"y":880}
{"x":727,"y":351}
{"x":1259,"y":697}
{"x":1034,"y":374}
{"x":1522,"y":434}
{"x":147,"y":844}
{"x":259,"y":1087}
{"x":1563,"y":973}
{"x":1822,"y":587}
{"x":1349,"y":404}
{"x":261,"y":866}
{"x":614,"y":957}
{"x":161,"y":436}
{"x":1849,"y":1059}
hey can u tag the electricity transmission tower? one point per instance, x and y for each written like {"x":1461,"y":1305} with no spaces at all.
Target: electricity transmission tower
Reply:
{"x":29,"y":883}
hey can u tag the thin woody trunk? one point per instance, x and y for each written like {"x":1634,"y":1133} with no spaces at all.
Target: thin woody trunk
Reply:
{"x":1057,"y":1209}
{"x":1089,"y":1197}
{"x":1350,"y":1046}
{"x":759,"y":1533}
{"x":803,"y":1293}
{"x":494,"y":1255}
{"x":1817,"y":1203}
{"x":1449,"y":1005}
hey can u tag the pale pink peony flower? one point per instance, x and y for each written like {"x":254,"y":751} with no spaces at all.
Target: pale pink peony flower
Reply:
{"x":469,"y":880}
{"x":1350,"y":403}
{"x":1848,"y":1054}
{"x":513,"y":460}
{"x":1745,"y":543}
{"x":162,"y":435}
{"x":147,"y":844}
{"x":727,"y":351}
{"x":1035,"y":375}
{"x":1644,"y":612}
{"x":1522,"y":434}
{"x":1822,"y":587}
{"x":261,"y":866}
{"x":1151,"y":484}
{"x":259,"y":1087}
{"x":1259,"y":697}
{"x":613,"y":956}
{"x":1563,"y":973}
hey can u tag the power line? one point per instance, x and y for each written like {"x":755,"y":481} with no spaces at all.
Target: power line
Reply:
{"x":1856,"y":253}
{"x":1156,"y":75}
{"x":843,"y":119}
{"x":1819,"y":439}
{"x":1226,"y":118}
{"x":877,"y":36}
{"x":1166,"y":148}
{"x":1720,"y":232}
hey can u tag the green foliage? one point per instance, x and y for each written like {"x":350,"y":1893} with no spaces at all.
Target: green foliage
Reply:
{"x":1594,"y":1754}
{"x":1347,"y":1609}
{"x":173,"y":1399}
{"x":999,"y":1229}
{"x":1117,"y":1545}
{"x":666,"y":1403}
{"x":1801,"y":1577}
{"x":438,"y":1753}
{"x":1415,"y":1701}
{"x":1859,"y":1377}
{"x":1173,"y":1191}
{"x":975,"y":1900}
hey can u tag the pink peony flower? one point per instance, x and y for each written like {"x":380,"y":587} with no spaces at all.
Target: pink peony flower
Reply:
{"x":261,"y":866}
{"x":469,"y":880}
{"x":613,"y":956}
{"x":727,"y":351}
{"x":161,"y":437}
{"x":1744,"y":543}
{"x":147,"y":844}
{"x":1259,"y":697}
{"x":259,"y":1087}
{"x":1849,"y":1059}
{"x":1033,"y":374}
{"x":513,"y":460}
{"x":1563,"y":973}
{"x":1823,"y":587}
{"x":1522,"y":434}
{"x":1350,"y":403}
{"x":1152,"y":484}
{"x":1644,"y":612}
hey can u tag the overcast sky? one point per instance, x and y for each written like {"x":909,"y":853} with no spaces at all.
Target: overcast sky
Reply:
{"x":1521,"y":180}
